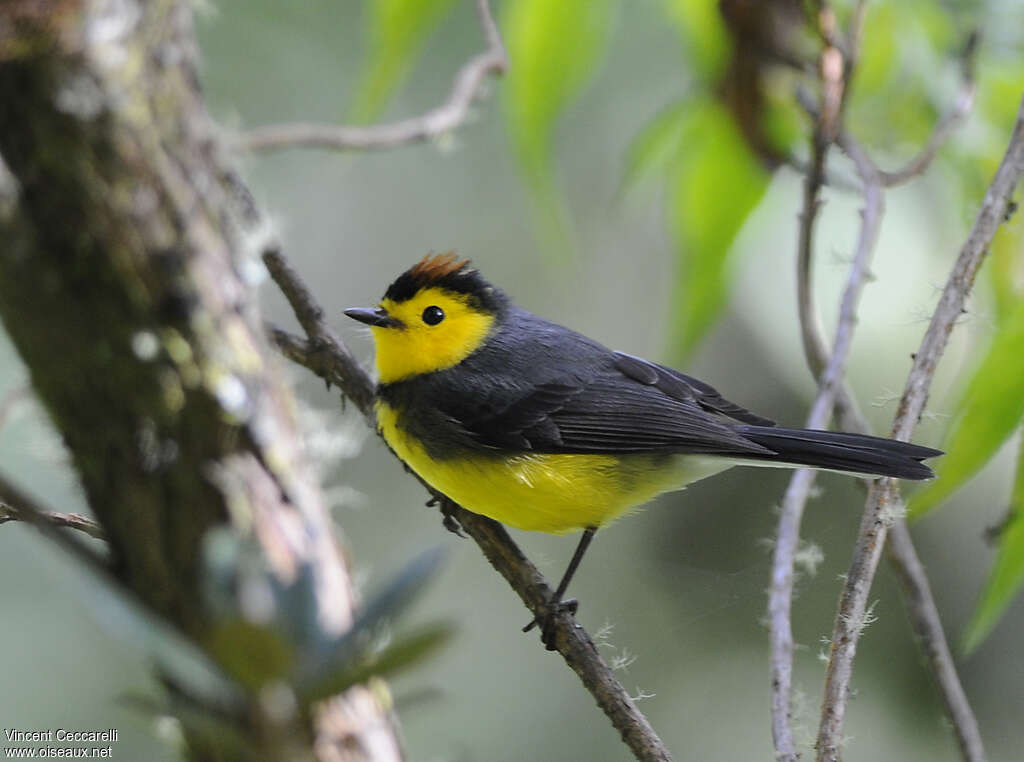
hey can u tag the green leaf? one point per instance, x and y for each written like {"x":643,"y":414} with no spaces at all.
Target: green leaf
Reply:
{"x":350,"y":649}
{"x":251,"y":654}
{"x":204,"y":727}
{"x":703,"y":31}
{"x":991,"y":410}
{"x":656,"y":145}
{"x":553,"y":50}
{"x":1006,"y":268}
{"x":398,"y":30}
{"x":402,"y":652}
{"x":400,"y":592}
{"x":715,"y":183}
{"x":879,"y":48}
{"x":1007,"y":575}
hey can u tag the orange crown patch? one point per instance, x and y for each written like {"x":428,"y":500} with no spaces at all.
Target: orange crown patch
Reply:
{"x":434,"y":267}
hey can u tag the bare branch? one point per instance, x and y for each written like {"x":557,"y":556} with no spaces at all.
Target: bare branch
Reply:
{"x":924,"y":615}
{"x":333,"y":361}
{"x":883,"y":498}
{"x":77,"y":521}
{"x":327,"y":359}
{"x":946,"y":126}
{"x":798,"y":491}
{"x":921,"y":605}
{"x":436,"y":122}
{"x":31,"y":511}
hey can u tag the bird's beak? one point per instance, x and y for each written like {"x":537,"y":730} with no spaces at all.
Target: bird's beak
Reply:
{"x":378,"y":317}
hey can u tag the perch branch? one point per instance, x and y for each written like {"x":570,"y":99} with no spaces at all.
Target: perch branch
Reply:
{"x":324,"y":352}
{"x":332,"y":361}
{"x":883,"y":498}
{"x":436,"y":122}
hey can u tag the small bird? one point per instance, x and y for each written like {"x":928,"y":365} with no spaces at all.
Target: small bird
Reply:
{"x":534,"y":425}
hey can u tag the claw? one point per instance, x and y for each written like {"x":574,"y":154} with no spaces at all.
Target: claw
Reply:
{"x":452,"y":525}
{"x":449,"y":521}
{"x":548,"y":620}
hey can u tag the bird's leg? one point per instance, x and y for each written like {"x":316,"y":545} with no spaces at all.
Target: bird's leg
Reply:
{"x":557,"y":605}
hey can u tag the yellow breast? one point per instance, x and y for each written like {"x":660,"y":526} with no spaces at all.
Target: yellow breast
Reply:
{"x":547,"y":492}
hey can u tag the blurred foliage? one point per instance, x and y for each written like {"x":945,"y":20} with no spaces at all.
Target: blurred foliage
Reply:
{"x":397,"y":32}
{"x":553,"y":51}
{"x":715,"y":150}
{"x":1007,"y":575}
{"x":264,"y":634}
{"x":735,"y":120}
{"x":701,"y":227}
{"x":990,"y":411}
{"x":713,"y":163}
{"x":703,"y":32}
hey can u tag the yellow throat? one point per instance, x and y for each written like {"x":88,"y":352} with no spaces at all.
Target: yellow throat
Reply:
{"x":418,"y":348}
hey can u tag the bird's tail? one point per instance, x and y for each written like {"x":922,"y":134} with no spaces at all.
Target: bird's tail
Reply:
{"x":854,"y":453}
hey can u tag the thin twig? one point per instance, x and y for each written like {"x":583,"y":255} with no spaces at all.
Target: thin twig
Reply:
{"x":883,"y":499}
{"x":332,"y":361}
{"x":921,"y":605}
{"x":436,"y":122}
{"x":10,"y":507}
{"x":924,"y":616}
{"x":947,"y":125}
{"x":31,"y":511}
{"x":77,"y":521}
{"x":811,"y":332}
{"x":799,"y":489}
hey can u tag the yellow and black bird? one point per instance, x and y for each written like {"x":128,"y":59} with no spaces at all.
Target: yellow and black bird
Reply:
{"x":537,"y":426}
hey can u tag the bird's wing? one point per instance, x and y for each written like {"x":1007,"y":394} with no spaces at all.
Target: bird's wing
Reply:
{"x":629,"y":406}
{"x":680,"y":386}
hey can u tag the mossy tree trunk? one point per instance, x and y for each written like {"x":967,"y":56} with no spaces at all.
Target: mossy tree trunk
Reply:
{"x":123,"y":286}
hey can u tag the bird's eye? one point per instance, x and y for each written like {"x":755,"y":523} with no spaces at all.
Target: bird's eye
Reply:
{"x":433,"y":315}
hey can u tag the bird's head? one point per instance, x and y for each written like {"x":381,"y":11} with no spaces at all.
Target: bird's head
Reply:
{"x":432,"y":317}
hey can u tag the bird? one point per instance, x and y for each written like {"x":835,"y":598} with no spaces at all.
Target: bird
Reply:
{"x":532,"y":424}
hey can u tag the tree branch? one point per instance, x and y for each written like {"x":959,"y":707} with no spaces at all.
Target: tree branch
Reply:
{"x":924,"y":617}
{"x":330,"y":360}
{"x":883,"y":499}
{"x":77,"y":521}
{"x":921,"y":605}
{"x":830,"y":385}
{"x":947,"y":125}
{"x":436,"y":122}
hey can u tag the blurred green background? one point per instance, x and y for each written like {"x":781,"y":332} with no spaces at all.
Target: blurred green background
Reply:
{"x":583,"y":224}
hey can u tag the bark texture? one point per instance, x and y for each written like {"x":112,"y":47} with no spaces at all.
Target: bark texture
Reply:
{"x":125,"y":284}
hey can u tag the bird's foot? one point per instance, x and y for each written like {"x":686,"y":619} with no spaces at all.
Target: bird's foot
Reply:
{"x":547,"y":620}
{"x":447,"y":508}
